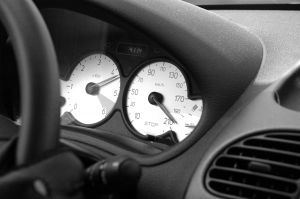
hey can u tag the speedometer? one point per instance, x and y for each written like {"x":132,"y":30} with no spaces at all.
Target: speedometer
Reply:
{"x":92,"y":90}
{"x":157,"y":102}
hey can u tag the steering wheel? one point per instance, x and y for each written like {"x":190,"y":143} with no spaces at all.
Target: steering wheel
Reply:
{"x":38,"y":72}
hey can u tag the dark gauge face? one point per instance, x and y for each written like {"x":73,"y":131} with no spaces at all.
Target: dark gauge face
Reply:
{"x":92,"y":90}
{"x":157,"y":102}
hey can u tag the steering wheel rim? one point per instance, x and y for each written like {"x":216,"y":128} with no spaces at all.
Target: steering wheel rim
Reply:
{"x":38,"y":72}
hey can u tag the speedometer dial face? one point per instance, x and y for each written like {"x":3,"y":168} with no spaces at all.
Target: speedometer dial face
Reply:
{"x":92,"y":90}
{"x":157,"y":102}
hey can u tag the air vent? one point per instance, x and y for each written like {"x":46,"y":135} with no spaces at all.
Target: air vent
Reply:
{"x":263,"y":166}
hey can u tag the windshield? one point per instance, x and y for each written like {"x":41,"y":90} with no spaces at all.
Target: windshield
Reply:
{"x":241,"y":2}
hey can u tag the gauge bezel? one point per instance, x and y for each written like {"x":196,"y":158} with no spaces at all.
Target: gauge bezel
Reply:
{"x":131,"y":77}
{"x":114,"y":109}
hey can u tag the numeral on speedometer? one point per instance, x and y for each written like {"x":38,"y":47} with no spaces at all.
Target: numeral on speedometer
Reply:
{"x":179,"y":98}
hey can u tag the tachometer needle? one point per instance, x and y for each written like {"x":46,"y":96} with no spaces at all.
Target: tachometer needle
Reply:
{"x":107,"y":81}
{"x":156,"y":99}
{"x":93,"y":88}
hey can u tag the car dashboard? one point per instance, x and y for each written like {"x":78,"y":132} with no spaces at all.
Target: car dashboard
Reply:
{"x":222,"y":132}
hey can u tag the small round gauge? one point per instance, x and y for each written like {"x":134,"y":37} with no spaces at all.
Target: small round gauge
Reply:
{"x":157,"y":102}
{"x":92,"y":90}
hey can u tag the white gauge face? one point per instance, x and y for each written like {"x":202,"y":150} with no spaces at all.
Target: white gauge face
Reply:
{"x":157,"y":102}
{"x":92,"y":90}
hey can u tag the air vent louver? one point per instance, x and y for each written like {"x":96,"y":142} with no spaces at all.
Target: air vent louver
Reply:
{"x":263,"y":166}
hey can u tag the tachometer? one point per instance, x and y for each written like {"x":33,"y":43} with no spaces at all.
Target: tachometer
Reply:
{"x":92,"y":90}
{"x":157,"y":102}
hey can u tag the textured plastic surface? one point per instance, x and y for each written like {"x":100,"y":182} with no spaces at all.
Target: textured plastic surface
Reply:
{"x":261,"y":115}
{"x":288,"y":95}
{"x":279,"y":32}
{"x":39,"y":77}
{"x":107,"y":141}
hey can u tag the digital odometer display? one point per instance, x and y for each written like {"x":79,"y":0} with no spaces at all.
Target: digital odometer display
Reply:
{"x":157,"y":102}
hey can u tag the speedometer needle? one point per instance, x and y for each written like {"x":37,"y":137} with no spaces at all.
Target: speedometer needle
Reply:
{"x":156,"y":99}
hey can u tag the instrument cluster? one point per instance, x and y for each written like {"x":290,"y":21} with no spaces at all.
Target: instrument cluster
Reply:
{"x":121,"y":81}
{"x":155,"y":100}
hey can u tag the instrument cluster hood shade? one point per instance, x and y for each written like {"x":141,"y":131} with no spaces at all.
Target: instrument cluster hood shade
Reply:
{"x":223,"y":57}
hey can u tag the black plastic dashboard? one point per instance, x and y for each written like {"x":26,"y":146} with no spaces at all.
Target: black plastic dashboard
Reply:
{"x":269,"y":104}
